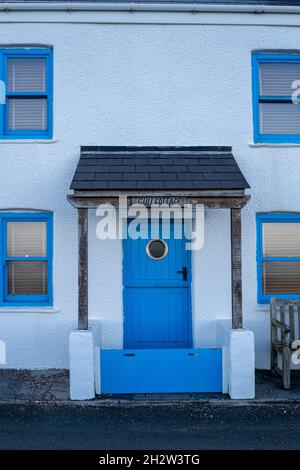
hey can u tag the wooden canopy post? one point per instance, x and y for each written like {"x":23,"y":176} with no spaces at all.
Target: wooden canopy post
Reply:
{"x":236,"y":268}
{"x":82,"y":269}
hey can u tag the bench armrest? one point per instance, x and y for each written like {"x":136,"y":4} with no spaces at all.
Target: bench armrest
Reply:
{"x":281,"y":325}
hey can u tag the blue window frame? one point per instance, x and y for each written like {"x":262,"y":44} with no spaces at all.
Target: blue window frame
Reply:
{"x":278,"y":256}
{"x":275,"y":118}
{"x":26,"y":241}
{"x":28,"y":109}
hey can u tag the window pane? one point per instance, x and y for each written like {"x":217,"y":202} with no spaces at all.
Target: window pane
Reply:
{"x":27,"y":74}
{"x":279,"y":118}
{"x":276,"y":78}
{"x":281,"y":277}
{"x":26,"y":239}
{"x":27,"y":114}
{"x":281,"y":240}
{"x":27,"y":278}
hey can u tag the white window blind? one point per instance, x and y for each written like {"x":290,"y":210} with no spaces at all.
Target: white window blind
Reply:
{"x":27,"y":113}
{"x":276,"y":78}
{"x":27,"y":240}
{"x":281,"y":240}
{"x":277,"y":113}
{"x":26,"y":74}
{"x":279,"y":118}
{"x":281,"y":277}
{"x":27,"y":110}
{"x":27,"y":278}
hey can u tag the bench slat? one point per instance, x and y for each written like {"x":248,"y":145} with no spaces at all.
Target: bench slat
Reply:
{"x":292,"y":312}
{"x":282,"y":319}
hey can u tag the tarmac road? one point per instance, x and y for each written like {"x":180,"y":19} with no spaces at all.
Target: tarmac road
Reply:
{"x":174,"y":426}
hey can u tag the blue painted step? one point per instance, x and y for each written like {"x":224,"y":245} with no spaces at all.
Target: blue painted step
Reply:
{"x":161,"y":371}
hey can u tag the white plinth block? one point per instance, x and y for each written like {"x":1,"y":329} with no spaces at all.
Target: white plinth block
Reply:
{"x":239,"y":363}
{"x":82,"y":366}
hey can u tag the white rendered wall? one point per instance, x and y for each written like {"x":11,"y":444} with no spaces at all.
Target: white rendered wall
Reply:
{"x":143,"y":85}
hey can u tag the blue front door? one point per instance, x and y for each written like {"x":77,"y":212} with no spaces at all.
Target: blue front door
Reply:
{"x":157,"y":291}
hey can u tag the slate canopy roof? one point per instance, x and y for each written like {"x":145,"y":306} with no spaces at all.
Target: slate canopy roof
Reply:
{"x":157,"y":168}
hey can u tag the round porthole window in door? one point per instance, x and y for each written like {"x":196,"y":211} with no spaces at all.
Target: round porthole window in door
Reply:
{"x":157,"y":249}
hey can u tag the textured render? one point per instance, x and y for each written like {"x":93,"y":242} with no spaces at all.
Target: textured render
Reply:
{"x":143,"y":85}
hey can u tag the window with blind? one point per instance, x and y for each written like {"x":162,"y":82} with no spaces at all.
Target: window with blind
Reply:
{"x":27,"y":74}
{"x":276,"y":117}
{"x":278,"y":256}
{"x":26,"y":259}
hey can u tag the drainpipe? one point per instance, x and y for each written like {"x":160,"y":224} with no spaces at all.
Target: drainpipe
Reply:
{"x":152,"y":7}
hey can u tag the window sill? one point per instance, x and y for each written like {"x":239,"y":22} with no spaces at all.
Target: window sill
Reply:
{"x":273,"y":145}
{"x":28,"y":141}
{"x":29,"y":310}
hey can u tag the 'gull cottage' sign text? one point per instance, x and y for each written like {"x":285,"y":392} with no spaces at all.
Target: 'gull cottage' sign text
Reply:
{"x":158,"y":201}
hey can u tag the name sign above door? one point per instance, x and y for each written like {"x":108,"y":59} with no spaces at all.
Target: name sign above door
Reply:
{"x":158,"y":201}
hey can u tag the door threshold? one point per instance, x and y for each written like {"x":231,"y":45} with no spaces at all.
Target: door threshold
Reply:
{"x":205,"y":397}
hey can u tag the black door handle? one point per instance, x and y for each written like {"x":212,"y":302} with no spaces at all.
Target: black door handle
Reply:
{"x":184,"y":273}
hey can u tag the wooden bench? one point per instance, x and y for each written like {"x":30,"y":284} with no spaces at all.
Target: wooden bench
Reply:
{"x":285,"y":328}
